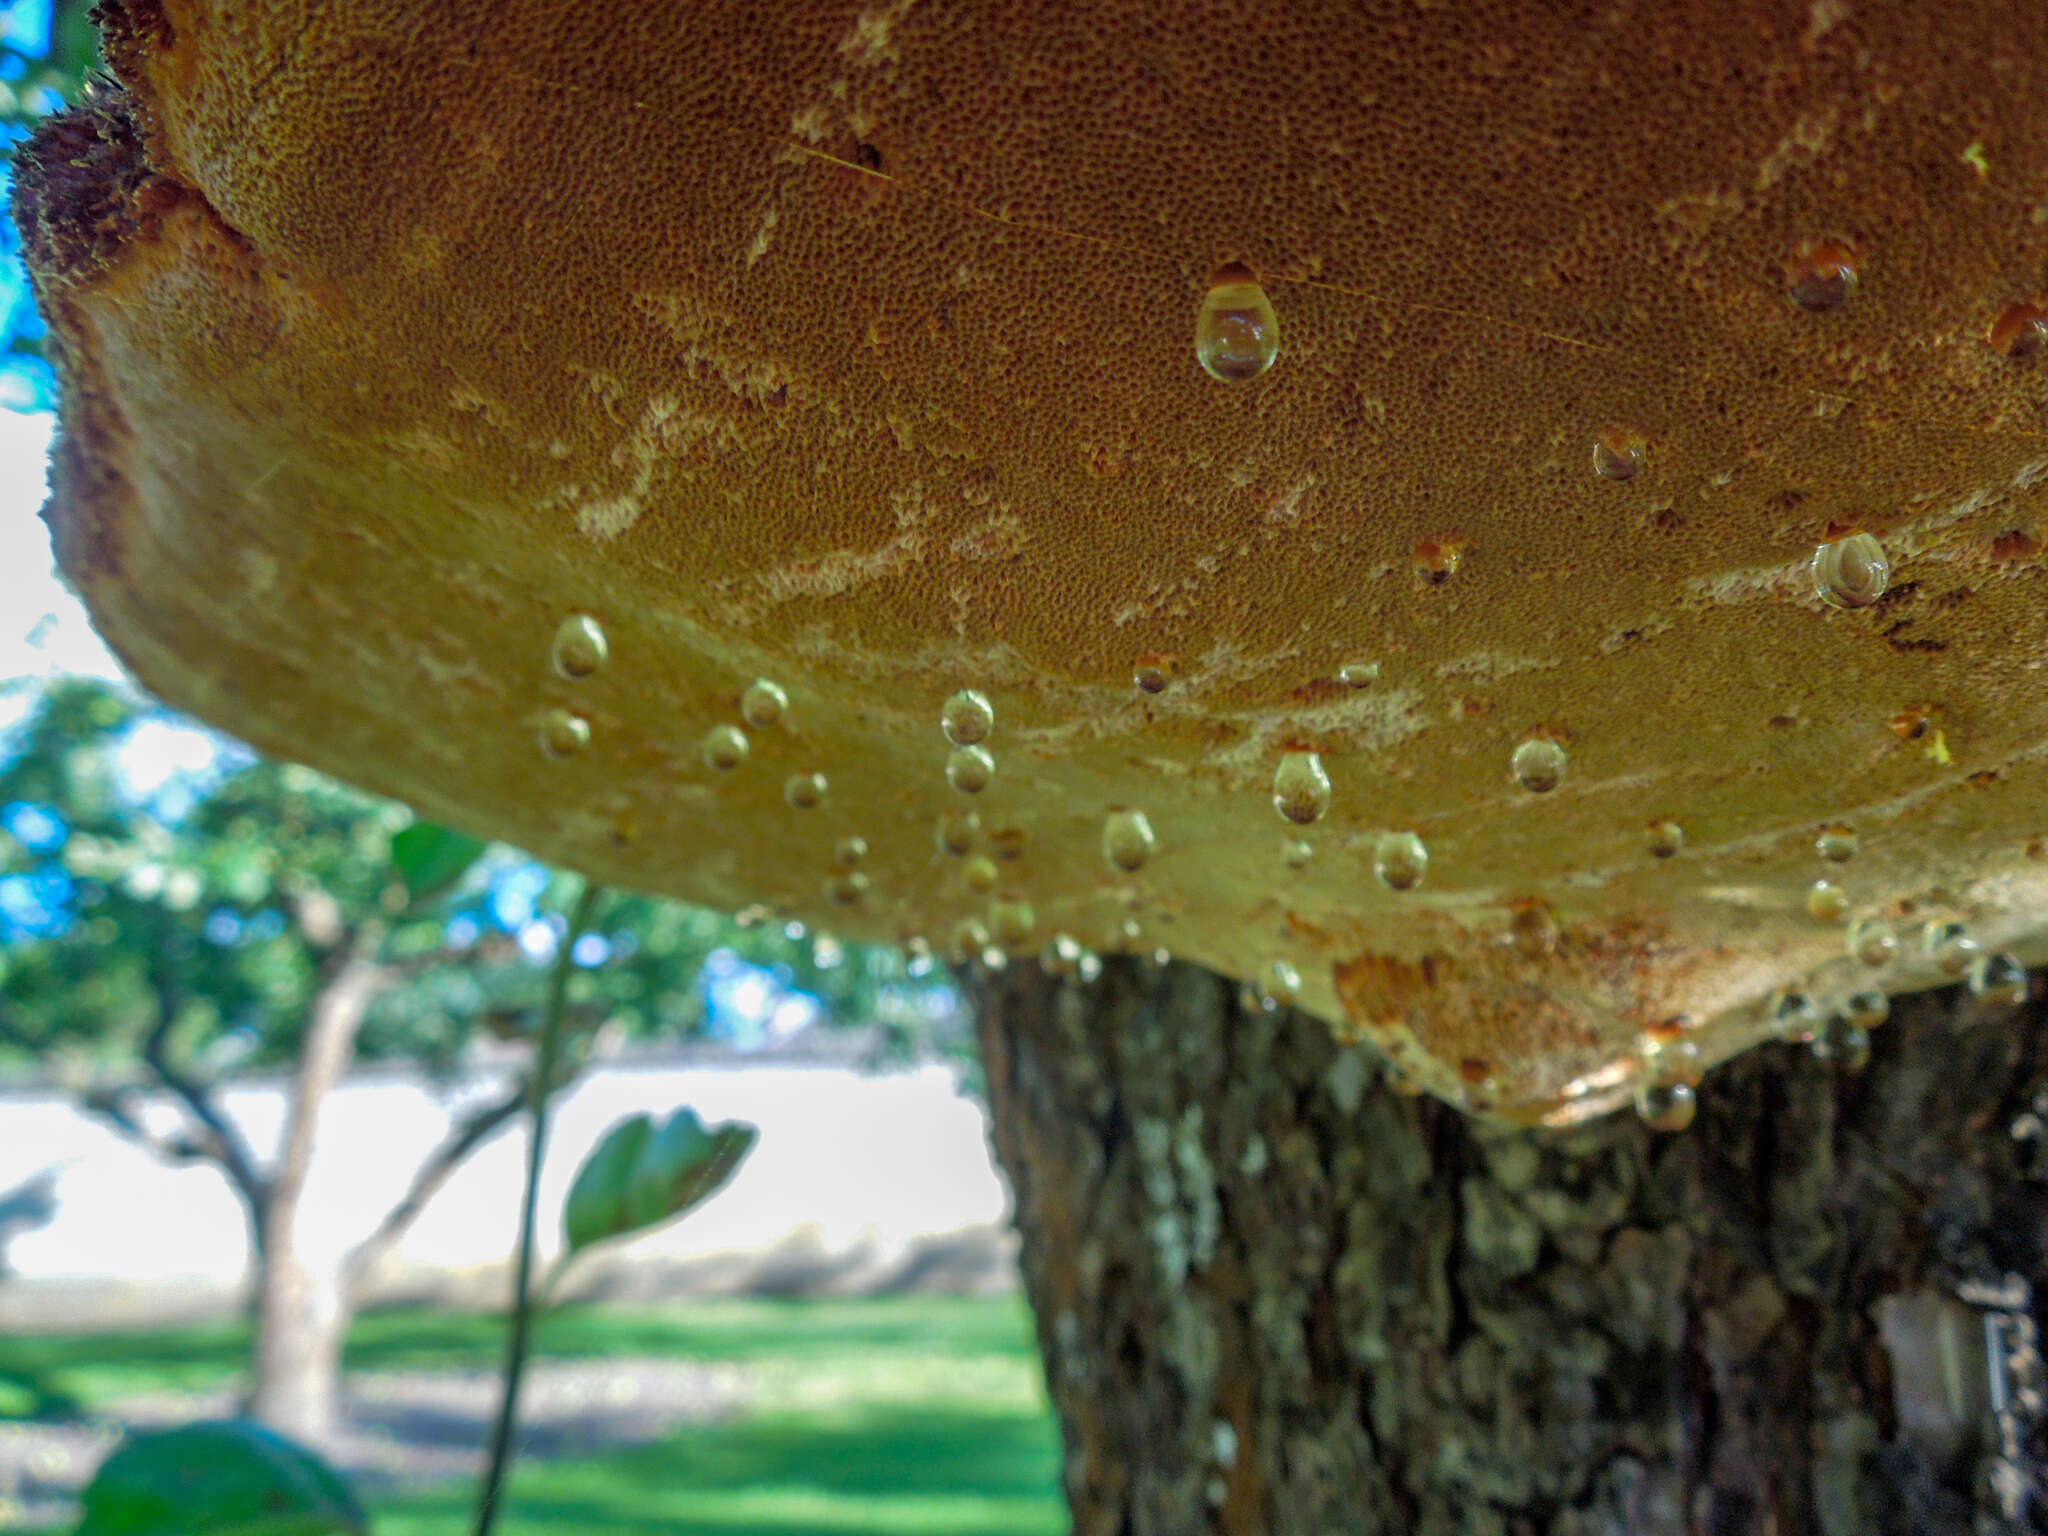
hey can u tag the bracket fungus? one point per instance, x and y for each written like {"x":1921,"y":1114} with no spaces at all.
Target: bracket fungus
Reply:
{"x":714,"y":402}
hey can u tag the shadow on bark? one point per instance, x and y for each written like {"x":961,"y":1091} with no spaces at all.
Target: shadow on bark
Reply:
{"x":1276,"y":1296}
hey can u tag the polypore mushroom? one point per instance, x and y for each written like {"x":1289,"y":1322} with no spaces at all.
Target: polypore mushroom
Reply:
{"x":1488,"y":447}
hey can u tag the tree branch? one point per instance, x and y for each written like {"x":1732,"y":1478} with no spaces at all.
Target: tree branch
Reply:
{"x":469,"y":1133}
{"x":235,"y":1157}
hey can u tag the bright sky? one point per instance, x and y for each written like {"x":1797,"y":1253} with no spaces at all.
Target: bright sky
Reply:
{"x":42,"y":627}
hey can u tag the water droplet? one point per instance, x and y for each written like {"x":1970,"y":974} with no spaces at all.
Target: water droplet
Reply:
{"x":1127,"y":840}
{"x":846,"y":890}
{"x":849,"y":851}
{"x":1873,"y":942}
{"x":967,"y":940}
{"x":563,"y":734}
{"x":1794,"y":1017}
{"x":1299,"y":853}
{"x":1237,"y":335}
{"x":967,"y":717}
{"x":725,"y":747}
{"x":981,"y":873}
{"x":1538,"y":765}
{"x":1090,"y":967}
{"x":763,"y":703}
{"x":969,"y":769}
{"x":955,"y":832}
{"x":1301,"y":787}
{"x":580,"y":647}
{"x":1999,"y":980}
{"x":1533,"y":928}
{"x":1281,"y":982}
{"x":1128,"y":933}
{"x":1867,"y":1009}
{"x":1012,"y":921}
{"x":1837,"y":844}
{"x":1664,"y":839}
{"x":1006,"y":843}
{"x":1949,"y":946}
{"x":1667,"y":1106}
{"x":1840,"y":1040}
{"x":1400,"y":859}
{"x":1620,"y":453}
{"x":2020,"y":330}
{"x":804,"y":790}
{"x":1675,"y":1060}
{"x":1061,"y":955}
{"x":1821,"y":276}
{"x":1437,"y":559}
{"x":1827,"y":901}
{"x":1151,"y":673}
{"x":1359,"y":674}
{"x":1852,"y":571}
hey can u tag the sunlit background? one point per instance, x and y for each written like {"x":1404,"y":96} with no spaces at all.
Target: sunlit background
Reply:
{"x":833,"y":1343}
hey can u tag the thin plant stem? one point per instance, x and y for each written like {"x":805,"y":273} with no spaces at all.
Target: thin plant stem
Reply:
{"x":541,"y":1089}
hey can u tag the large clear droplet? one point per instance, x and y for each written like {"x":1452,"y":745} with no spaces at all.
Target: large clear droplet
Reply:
{"x":1237,"y":335}
{"x":725,"y":747}
{"x":1852,"y":571}
{"x":1667,"y":1106}
{"x":1359,"y":674}
{"x":1301,"y":787}
{"x":1873,"y":942}
{"x":1127,"y":839}
{"x":580,"y":647}
{"x":1794,"y":1016}
{"x":763,"y":704}
{"x":1999,"y":980}
{"x":967,"y":717}
{"x":1821,"y":276}
{"x":805,"y":791}
{"x":563,"y":734}
{"x":1619,"y":453}
{"x":1838,"y":844}
{"x":1538,"y":765}
{"x":1400,"y":859}
{"x":1949,"y":946}
{"x":969,"y":769}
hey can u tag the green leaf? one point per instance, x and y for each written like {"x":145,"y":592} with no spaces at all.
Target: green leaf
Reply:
{"x":597,"y":1198}
{"x":431,"y":858}
{"x":639,"y":1177}
{"x":230,"y":1478}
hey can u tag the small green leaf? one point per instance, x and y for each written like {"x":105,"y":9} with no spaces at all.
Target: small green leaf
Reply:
{"x":431,"y":858}
{"x":596,"y":1206}
{"x":229,"y":1478}
{"x":639,"y":1177}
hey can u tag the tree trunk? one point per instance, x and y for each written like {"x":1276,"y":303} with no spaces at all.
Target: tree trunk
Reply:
{"x":302,"y":1309}
{"x":1275,"y":1296}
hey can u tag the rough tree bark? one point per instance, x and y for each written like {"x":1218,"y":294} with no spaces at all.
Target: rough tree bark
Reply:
{"x":1275,"y":1296}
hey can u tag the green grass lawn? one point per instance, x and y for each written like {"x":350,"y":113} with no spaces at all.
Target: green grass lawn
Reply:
{"x":869,"y":1417}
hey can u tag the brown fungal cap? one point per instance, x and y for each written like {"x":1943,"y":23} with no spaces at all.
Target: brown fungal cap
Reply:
{"x":857,"y":356}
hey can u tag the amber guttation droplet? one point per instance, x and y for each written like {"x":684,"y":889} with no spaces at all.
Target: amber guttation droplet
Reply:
{"x":725,"y":747}
{"x":2020,"y":330}
{"x":1821,"y":275}
{"x":1667,"y":1106}
{"x":1438,"y":557}
{"x":1852,"y":571}
{"x":1301,"y":787}
{"x":580,"y":646}
{"x":1619,"y":453}
{"x":1152,"y":672}
{"x":1237,"y":334}
{"x":1949,"y":946}
{"x":1533,"y":928}
{"x":1827,"y":901}
{"x":763,"y":703}
{"x":563,"y":734}
{"x":1127,"y":839}
{"x":1006,"y":843}
{"x":1873,"y":942}
{"x":1665,"y":839}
